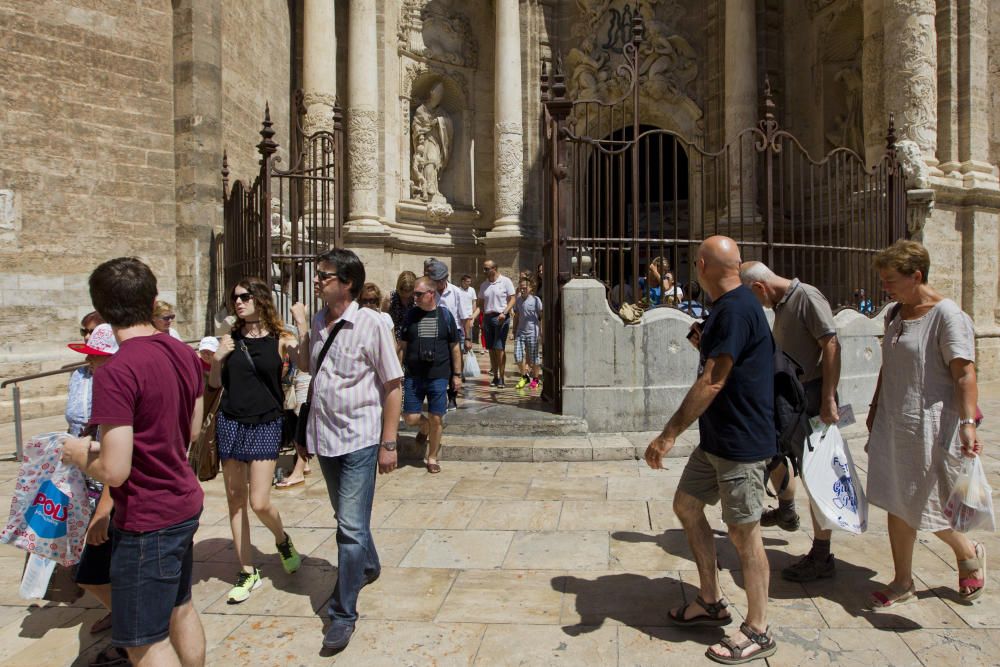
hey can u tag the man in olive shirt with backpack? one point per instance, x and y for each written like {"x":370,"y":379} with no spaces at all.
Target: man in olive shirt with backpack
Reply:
{"x":805,"y":330}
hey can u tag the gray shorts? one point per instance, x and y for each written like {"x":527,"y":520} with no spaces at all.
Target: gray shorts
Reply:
{"x":738,"y":484}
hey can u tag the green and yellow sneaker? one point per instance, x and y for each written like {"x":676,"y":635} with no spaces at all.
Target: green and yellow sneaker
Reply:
{"x":246,"y":583}
{"x":523,"y":382}
{"x":290,"y":558}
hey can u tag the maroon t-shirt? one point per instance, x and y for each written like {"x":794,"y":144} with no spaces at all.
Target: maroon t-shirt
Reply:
{"x":152,"y":383}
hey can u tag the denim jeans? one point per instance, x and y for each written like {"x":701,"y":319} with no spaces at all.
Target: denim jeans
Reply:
{"x":350,"y":481}
{"x":150,"y":576}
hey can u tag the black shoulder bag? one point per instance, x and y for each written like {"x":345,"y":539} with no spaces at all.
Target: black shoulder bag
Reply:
{"x":303,"y":422}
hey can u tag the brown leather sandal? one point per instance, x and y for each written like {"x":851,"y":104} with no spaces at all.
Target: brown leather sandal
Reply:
{"x":764,"y":641}
{"x":712,"y":617}
{"x":433,"y":467}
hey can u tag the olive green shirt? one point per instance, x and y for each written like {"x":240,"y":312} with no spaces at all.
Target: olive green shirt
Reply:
{"x":801,"y":319}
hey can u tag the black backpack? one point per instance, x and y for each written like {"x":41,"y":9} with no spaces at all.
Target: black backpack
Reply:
{"x":791,"y":424}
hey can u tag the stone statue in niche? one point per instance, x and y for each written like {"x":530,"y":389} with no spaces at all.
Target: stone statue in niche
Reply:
{"x":848,"y":127}
{"x":431,"y":141}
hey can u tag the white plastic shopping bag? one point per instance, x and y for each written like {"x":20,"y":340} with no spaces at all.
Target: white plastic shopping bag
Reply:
{"x":49,"y":512}
{"x":830,"y":476}
{"x":35,"y":580}
{"x":471,"y":367}
{"x":970,"y":505}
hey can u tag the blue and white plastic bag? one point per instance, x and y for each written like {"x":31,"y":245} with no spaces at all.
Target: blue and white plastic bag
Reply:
{"x":837,"y":495}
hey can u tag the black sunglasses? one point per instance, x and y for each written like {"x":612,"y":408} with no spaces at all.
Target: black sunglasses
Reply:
{"x":246,"y":296}
{"x":86,"y":332}
{"x":369,"y":302}
{"x":420,"y":292}
{"x":325,"y":275}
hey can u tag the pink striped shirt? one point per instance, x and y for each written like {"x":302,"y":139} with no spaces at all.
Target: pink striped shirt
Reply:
{"x":346,"y":410}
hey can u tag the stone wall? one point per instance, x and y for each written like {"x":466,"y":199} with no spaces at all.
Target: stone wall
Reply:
{"x":88,"y":171}
{"x":256,"y":69}
{"x":633,"y":377}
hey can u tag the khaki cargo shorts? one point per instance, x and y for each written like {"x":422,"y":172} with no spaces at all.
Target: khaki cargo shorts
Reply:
{"x":738,"y":484}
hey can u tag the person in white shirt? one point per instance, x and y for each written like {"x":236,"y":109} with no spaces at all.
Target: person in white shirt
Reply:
{"x":450,"y":296}
{"x":496,"y":300}
{"x":468,"y":293}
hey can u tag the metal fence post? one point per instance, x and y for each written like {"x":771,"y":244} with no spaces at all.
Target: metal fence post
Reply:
{"x":18,"y":435}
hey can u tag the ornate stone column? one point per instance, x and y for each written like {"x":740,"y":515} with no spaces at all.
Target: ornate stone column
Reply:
{"x":973,"y":94}
{"x":319,"y":64}
{"x":741,"y":85}
{"x":362,"y":118}
{"x":910,"y":71}
{"x":508,"y":132}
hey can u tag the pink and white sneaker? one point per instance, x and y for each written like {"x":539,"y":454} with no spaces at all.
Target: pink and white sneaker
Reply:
{"x":533,"y":384}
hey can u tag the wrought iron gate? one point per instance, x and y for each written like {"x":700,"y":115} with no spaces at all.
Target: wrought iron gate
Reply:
{"x":621,"y":194}
{"x":276,"y":226}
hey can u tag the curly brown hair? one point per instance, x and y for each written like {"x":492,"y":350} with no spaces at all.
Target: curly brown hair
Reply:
{"x":263,"y":304}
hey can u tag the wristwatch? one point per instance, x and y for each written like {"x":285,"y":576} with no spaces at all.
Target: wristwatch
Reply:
{"x":967,"y":422}
{"x":389,"y":445}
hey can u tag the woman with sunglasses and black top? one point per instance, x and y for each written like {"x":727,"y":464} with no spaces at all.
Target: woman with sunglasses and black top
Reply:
{"x":248,"y":366}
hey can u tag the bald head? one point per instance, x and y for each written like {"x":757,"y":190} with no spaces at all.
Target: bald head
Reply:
{"x":719,"y":265}
{"x":720,"y":251}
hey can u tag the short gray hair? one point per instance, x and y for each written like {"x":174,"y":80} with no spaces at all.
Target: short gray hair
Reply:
{"x":756,"y":272}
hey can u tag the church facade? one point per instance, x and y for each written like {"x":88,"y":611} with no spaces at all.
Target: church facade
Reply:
{"x":117,"y":115}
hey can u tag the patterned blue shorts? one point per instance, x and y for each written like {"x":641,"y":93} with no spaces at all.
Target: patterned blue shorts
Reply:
{"x":247,"y":442}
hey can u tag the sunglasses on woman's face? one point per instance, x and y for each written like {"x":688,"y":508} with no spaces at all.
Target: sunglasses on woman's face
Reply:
{"x":167,"y":318}
{"x":246,"y":296}
{"x":369,"y":302}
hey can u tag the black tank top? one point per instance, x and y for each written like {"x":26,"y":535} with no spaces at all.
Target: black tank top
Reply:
{"x":252,"y":397}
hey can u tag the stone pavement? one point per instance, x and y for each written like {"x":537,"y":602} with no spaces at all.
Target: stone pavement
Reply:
{"x":535,"y":563}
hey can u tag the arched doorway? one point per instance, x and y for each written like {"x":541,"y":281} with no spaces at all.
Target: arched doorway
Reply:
{"x":637,"y":205}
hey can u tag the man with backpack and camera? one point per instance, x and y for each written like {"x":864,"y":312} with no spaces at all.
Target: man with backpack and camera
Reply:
{"x":431,"y":356}
{"x":805,"y":330}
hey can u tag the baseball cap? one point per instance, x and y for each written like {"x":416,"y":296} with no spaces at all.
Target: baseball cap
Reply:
{"x":436,"y":270}
{"x":210,"y":343}
{"x":102,"y":342}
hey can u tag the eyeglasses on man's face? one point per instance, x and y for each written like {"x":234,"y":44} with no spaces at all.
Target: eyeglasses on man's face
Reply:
{"x":487,"y":269}
{"x":419,"y":293}
{"x":244,"y":297}
{"x":324,"y":275}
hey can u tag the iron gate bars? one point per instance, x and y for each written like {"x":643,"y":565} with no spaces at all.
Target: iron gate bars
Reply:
{"x":275,"y":227}
{"x":623,"y":194}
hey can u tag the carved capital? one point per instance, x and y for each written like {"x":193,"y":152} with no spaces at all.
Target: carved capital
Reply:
{"x":362,"y":138}
{"x":319,"y":111}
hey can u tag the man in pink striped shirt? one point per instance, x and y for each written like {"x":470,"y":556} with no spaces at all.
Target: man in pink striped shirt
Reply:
{"x":353,"y":419}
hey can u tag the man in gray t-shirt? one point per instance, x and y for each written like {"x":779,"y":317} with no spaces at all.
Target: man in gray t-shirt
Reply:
{"x":804,"y":329}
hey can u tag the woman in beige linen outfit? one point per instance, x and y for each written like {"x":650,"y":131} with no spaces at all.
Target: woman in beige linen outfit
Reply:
{"x":922,"y":420}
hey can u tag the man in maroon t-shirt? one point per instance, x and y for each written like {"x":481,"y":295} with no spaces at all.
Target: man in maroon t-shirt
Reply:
{"x":145,"y":401}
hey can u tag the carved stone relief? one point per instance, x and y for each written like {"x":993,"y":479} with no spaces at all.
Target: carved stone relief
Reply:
{"x":431,"y":30}
{"x":510,"y":154}
{"x":362,"y":128}
{"x":319,"y":111}
{"x":667,"y":63}
{"x":911,"y":70}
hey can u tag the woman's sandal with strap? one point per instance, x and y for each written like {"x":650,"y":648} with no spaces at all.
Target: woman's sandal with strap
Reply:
{"x":978,"y":585}
{"x":712,"y":617}
{"x":763,"y":640}
{"x":892,"y":597}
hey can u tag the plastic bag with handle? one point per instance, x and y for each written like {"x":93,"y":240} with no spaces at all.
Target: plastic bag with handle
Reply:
{"x":49,"y":511}
{"x":835,"y":492}
{"x":970,"y":505}
{"x":471,"y":367}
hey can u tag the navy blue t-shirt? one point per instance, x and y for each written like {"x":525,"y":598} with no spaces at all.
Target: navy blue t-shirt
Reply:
{"x":739,"y":424}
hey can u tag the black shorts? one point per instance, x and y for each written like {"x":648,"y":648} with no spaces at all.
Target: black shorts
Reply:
{"x":94,"y":568}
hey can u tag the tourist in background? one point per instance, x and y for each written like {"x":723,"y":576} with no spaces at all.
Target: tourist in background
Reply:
{"x":371,"y":297}
{"x":448,"y":295}
{"x":432,"y":356}
{"x":163,"y":318}
{"x":527,"y":330}
{"x":922,"y":421}
{"x":248,"y":367}
{"x":496,"y":301}
{"x":400,"y":300}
